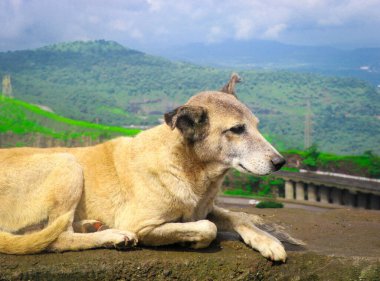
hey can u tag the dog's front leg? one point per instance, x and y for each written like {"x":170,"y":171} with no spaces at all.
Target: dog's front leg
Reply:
{"x":199,"y":234}
{"x":269,"y":246}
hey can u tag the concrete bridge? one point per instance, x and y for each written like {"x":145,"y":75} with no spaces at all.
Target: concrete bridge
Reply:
{"x":325,"y":188}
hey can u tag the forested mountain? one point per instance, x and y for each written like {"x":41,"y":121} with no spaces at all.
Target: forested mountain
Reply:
{"x":105,"y":82}
{"x":361,"y":63}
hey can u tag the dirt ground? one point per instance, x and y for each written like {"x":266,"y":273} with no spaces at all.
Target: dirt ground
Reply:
{"x":342,"y":244}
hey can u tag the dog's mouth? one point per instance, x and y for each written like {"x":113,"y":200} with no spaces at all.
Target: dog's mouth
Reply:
{"x":244,"y":168}
{"x":250,"y":172}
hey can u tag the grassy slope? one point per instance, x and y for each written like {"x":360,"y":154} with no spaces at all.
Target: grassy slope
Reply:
{"x":120,"y":86}
{"x":19,"y":117}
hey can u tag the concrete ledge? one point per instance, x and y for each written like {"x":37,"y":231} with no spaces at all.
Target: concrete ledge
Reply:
{"x":342,"y":245}
{"x":233,"y":262}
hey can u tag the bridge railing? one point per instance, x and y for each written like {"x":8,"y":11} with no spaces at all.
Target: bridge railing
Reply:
{"x":325,"y":188}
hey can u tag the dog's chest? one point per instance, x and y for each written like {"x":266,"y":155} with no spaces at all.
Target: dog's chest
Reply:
{"x":199,"y":207}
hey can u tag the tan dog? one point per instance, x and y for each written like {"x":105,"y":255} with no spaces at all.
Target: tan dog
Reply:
{"x":157,"y":188}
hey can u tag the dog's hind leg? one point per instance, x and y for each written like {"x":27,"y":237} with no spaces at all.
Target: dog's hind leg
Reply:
{"x":38,"y":188}
{"x":43,"y":188}
{"x":67,"y":180}
{"x":199,"y":234}
{"x":109,"y":238}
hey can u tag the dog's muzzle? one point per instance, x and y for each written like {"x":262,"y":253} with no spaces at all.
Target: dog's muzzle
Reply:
{"x":278,"y":162}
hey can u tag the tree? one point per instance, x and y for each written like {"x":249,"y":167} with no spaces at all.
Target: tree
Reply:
{"x":311,"y":157}
{"x":374,"y":164}
{"x":7,"y":86}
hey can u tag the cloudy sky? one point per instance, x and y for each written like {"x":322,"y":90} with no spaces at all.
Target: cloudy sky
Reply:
{"x":150,"y":24}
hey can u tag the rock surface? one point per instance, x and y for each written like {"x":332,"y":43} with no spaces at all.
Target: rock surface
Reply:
{"x":342,"y":244}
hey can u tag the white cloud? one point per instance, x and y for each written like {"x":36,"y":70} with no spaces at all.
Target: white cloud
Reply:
{"x":244,"y":28}
{"x":119,"y":25}
{"x":348,"y":12}
{"x":154,"y":5}
{"x":273,"y":32}
{"x":127,"y":27}
{"x":161,"y":31}
{"x":136,"y":33}
{"x":164,"y":22}
{"x":93,"y":19}
{"x":215,"y":34}
{"x":15,"y":4}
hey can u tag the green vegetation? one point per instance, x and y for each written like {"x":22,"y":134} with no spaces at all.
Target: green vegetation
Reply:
{"x":21,"y":118}
{"x":244,"y":185}
{"x":311,"y":156}
{"x":367,"y":164}
{"x":240,"y":193}
{"x":269,"y":204}
{"x":107,"y":82}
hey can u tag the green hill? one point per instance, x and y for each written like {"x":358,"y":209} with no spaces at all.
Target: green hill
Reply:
{"x":104,"y":81}
{"x":25,"y":124}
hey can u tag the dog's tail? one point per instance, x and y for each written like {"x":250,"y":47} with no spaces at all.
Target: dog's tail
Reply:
{"x":34,"y":242}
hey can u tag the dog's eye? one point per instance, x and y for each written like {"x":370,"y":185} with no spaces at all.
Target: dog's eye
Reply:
{"x":238,"y":130}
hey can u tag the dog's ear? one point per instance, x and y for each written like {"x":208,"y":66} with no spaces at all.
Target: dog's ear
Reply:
{"x":229,"y":88}
{"x":191,"y":121}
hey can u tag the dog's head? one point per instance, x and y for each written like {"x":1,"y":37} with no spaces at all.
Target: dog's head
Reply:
{"x":221,"y":129}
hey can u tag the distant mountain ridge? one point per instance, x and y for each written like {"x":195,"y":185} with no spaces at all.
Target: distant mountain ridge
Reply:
{"x":105,"y":82}
{"x":274,"y":55}
{"x":97,"y":46}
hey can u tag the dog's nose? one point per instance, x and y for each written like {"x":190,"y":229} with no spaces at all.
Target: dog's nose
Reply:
{"x":278,"y":162}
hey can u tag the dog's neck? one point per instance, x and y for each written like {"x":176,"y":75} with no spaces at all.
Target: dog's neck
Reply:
{"x":202,"y":174}
{"x":199,"y":180}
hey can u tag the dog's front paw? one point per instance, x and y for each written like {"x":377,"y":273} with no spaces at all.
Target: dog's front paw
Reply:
{"x":119,"y":239}
{"x":263,"y":242}
{"x":205,"y":234}
{"x":273,"y":250}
